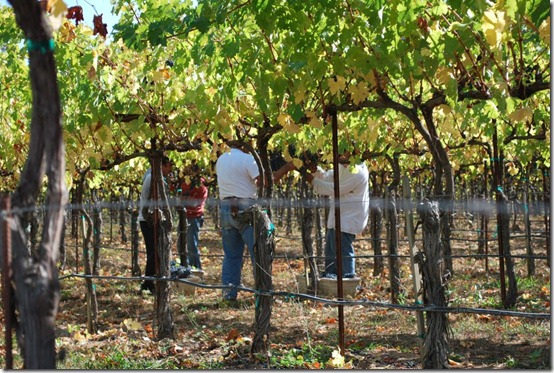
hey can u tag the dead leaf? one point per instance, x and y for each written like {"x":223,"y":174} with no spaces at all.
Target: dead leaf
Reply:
{"x":484,"y":318}
{"x":233,"y":335}
{"x":453,"y":363}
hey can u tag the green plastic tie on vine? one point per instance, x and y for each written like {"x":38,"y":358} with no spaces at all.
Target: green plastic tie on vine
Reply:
{"x":499,"y":188}
{"x":418,"y":303}
{"x":43,"y":46}
{"x":94,"y":287}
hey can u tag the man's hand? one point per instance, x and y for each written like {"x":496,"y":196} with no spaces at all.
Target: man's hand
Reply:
{"x":309,"y":177}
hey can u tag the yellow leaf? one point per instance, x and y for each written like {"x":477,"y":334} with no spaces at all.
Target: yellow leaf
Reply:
{"x":67,"y":32}
{"x":299,"y":95}
{"x":443,"y":75}
{"x":58,"y":10}
{"x":297,"y":162}
{"x":337,"y":360}
{"x":292,"y":127}
{"x":283,"y":119}
{"x":80,"y":336}
{"x":287,"y":155}
{"x":336,"y":84}
{"x":370,"y":78}
{"x":493,"y":26}
{"x":359,"y":92}
{"x":314,"y":120}
{"x":544,"y":31}
{"x":288,"y":124}
{"x":425,"y":52}
{"x":157,"y":76}
{"x":130,"y":324}
{"x":521,"y":115}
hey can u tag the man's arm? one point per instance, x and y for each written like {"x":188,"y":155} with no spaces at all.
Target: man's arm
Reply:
{"x":285,"y":169}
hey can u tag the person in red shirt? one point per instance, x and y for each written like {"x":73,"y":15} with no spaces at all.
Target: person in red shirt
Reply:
{"x":194,"y":195}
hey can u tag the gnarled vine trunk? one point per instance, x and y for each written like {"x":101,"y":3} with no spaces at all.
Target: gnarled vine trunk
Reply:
{"x":435,"y":345}
{"x":162,"y":229}
{"x":35,"y":274}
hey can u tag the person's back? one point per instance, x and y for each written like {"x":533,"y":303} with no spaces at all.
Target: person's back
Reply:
{"x":354,"y":196}
{"x":195,"y":195}
{"x":236,"y":173}
{"x":237,"y":179}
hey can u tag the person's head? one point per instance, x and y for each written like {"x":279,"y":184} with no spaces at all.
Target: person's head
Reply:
{"x":194,"y":169}
{"x":344,"y":156}
{"x":166,"y":165}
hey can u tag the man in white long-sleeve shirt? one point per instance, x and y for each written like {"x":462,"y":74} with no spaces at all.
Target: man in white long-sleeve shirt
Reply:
{"x":354,"y":211}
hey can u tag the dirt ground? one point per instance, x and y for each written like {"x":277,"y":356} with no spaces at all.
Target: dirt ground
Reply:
{"x":211,"y":334}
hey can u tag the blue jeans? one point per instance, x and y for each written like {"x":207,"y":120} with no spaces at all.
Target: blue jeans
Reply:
{"x":347,"y":253}
{"x":235,"y":236}
{"x":150,"y":243}
{"x":193,"y":231}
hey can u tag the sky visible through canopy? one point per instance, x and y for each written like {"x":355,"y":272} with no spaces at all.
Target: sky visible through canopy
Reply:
{"x":90,"y":9}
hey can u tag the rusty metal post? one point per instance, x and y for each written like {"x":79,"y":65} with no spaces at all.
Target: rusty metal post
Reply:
{"x":6,"y":281}
{"x":338,"y":256}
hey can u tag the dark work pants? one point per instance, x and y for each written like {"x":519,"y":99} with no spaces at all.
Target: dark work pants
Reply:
{"x":148,"y":234}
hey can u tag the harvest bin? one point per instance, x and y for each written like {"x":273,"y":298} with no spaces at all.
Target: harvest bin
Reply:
{"x":328,"y":286}
{"x":183,"y":288}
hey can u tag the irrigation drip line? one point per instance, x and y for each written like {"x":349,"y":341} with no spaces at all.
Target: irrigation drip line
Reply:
{"x":331,"y":302}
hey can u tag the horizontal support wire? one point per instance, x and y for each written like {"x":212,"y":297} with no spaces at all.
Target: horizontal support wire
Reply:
{"x":365,"y":256}
{"x":483,"y":207}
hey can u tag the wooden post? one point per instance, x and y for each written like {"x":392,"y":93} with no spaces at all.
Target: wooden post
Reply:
{"x":486,"y":220}
{"x":415,"y":267}
{"x":546,"y":203}
{"x":6,"y":281}
{"x":497,"y":183}
{"x":527,"y":223}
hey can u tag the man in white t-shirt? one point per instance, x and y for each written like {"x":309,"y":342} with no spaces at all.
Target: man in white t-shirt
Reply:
{"x":237,"y":178}
{"x":354,"y":211}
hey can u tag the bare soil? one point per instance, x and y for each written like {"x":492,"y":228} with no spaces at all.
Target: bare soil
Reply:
{"x":211,"y":334}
